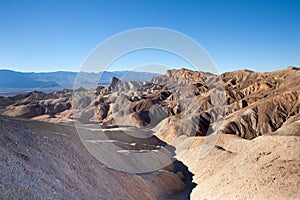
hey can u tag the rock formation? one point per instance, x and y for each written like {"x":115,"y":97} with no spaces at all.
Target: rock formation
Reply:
{"x":237,"y":132}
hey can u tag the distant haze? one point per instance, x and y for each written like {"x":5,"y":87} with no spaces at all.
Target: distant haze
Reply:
{"x":12,"y":82}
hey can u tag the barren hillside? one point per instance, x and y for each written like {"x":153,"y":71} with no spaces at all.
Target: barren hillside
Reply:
{"x":238,"y":133}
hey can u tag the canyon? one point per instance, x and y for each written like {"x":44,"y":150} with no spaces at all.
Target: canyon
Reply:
{"x":182,"y":135}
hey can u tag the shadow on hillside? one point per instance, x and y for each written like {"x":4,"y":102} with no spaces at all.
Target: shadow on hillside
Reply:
{"x":188,"y":178}
{"x":178,"y":167}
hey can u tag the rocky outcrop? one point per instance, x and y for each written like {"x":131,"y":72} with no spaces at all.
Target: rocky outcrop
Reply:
{"x":242,"y":102}
{"x":263,"y":116}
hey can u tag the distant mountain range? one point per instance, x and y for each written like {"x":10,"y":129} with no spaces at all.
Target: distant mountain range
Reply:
{"x":12,"y":82}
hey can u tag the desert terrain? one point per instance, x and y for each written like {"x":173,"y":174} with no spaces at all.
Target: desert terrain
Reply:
{"x":182,"y":135}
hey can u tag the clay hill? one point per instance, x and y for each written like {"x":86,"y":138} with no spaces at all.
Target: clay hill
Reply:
{"x":232,"y":136}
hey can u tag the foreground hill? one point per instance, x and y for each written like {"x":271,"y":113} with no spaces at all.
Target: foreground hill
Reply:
{"x":48,"y":161}
{"x":267,"y":167}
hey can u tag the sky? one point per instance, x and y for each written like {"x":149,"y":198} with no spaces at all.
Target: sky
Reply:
{"x":58,"y":35}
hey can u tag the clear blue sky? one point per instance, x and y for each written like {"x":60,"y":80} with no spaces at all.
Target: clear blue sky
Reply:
{"x":261,"y":35}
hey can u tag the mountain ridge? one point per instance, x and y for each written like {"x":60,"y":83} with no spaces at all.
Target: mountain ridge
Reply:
{"x":13,"y":82}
